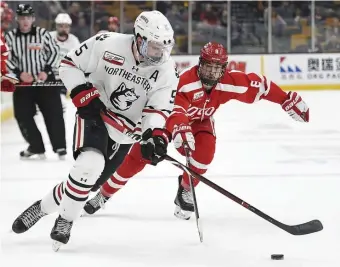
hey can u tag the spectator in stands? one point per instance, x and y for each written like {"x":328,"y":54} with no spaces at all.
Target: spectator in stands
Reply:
{"x":236,"y":32}
{"x":318,"y":16}
{"x":286,"y":11}
{"x":333,"y":44}
{"x":224,"y":15}
{"x":278,"y":24}
{"x":163,"y":6}
{"x":113,"y":24}
{"x":209,"y":16}
{"x":333,"y":29}
{"x":74,"y":11}
{"x":82,"y":30}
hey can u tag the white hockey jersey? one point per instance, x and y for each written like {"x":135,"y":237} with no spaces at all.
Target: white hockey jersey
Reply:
{"x":65,"y":46}
{"x":141,"y":97}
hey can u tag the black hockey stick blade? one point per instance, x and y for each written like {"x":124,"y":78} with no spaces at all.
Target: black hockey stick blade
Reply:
{"x":305,"y":228}
{"x":300,"y":229}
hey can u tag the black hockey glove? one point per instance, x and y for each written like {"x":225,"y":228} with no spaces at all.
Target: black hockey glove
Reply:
{"x":154,"y":145}
{"x":86,"y":99}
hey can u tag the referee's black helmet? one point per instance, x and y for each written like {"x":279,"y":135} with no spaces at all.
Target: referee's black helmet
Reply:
{"x":25,"y":10}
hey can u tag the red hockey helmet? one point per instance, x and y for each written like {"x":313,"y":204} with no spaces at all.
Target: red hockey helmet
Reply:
{"x":212,"y":63}
{"x":6,"y":15}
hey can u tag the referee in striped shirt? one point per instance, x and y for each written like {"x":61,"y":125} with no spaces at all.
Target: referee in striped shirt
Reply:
{"x":33,"y":54}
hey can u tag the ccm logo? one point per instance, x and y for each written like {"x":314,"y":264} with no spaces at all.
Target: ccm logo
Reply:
{"x":197,"y":112}
{"x":88,"y":96}
{"x":113,"y":58}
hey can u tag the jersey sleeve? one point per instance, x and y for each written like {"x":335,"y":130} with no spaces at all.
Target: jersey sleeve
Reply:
{"x":12,"y":60}
{"x":160,"y":102}
{"x":181,"y":105}
{"x":81,"y":60}
{"x":257,"y":87}
{"x":51,"y":51}
{"x":4,"y":55}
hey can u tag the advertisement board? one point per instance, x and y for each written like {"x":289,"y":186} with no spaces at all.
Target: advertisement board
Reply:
{"x":316,"y":71}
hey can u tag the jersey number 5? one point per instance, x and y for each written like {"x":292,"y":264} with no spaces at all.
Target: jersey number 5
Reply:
{"x":173,"y":95}
{"x":81,"y":49}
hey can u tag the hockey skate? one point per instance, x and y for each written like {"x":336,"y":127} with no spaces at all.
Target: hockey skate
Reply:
{"x":28,"y":218}
{"x":184,"y":203}
{"x":95,"y":204}
{"x":61,"y":153}
{"x":60,"y":233}
{"x":27,"y":154}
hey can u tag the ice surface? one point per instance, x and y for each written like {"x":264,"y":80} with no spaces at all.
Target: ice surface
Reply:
{"x":287,"y":169}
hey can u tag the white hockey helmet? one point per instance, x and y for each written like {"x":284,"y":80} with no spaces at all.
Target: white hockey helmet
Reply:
{"x":157,"y":34}
{"x":63,"y":18}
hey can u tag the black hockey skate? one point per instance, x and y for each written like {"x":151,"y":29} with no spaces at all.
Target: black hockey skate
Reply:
{"x":184,"y":203}
{"x":61,"y":232}
{"x":61,"y":153}
{"x":95,"y":204}
{"x":28,"y":218}
{"x":27,"y":154}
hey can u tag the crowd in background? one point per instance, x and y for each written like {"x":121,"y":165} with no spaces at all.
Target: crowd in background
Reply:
{"x":291,"y":22}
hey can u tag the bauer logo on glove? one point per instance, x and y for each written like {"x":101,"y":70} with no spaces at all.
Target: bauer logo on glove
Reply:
{"x":296,"y":107}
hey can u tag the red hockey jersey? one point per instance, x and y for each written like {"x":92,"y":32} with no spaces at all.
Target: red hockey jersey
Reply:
{"x":192,"y":101}
{"x":4,"y":53}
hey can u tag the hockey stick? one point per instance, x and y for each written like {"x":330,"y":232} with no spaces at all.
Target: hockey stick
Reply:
{"x":299,"y":229}
{"x":41,"y":84}
{"x":192,"y":188}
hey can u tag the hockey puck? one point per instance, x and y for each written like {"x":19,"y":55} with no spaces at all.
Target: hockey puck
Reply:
{"x":277,"y":256}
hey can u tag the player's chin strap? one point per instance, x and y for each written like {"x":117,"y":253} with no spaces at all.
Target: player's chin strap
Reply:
{"x":139,"y":55}
{"x":299,"y":229}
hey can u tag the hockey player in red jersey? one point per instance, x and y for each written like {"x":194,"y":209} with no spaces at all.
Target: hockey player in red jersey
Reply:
{"x":7,"y":81}
{"x":201,"y":90}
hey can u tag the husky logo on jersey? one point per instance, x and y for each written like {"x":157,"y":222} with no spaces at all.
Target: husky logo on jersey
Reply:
{"x":113,"y":58}
{"x":123,"y":97}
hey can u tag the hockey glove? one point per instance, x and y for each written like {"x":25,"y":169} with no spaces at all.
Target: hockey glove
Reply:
{"x":182,"y":134}
{"x":296,"y":107}
{"x":154,"y":145}
{"x":86,"y":99}
{"x":8,"y":82}
{"x":7,"y":86}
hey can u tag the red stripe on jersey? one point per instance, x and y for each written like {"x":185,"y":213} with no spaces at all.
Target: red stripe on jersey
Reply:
{"x":59,"y":190}
{"x":111,"y":119}
{"x":68,"y":62}
{"x":155,"y":111}
{"x":75,"y":190}
{"x":115,"y":124}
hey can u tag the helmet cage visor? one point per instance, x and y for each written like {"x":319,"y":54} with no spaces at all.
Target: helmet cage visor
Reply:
{"x":210,"y":72}
{"x":155,"y":52}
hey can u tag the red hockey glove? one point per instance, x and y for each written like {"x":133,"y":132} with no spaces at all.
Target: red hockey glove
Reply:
{"x":154,"y":144}
{"x":7,"y":86}
{"x":182,"y":134}
{"x":296,"y":107}
{"x":86,"y":98}
{"x":7,"y":82}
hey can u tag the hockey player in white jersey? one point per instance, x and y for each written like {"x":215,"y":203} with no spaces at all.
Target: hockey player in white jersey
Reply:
{"x":131,"y":79}
{"x":66,"y":41}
